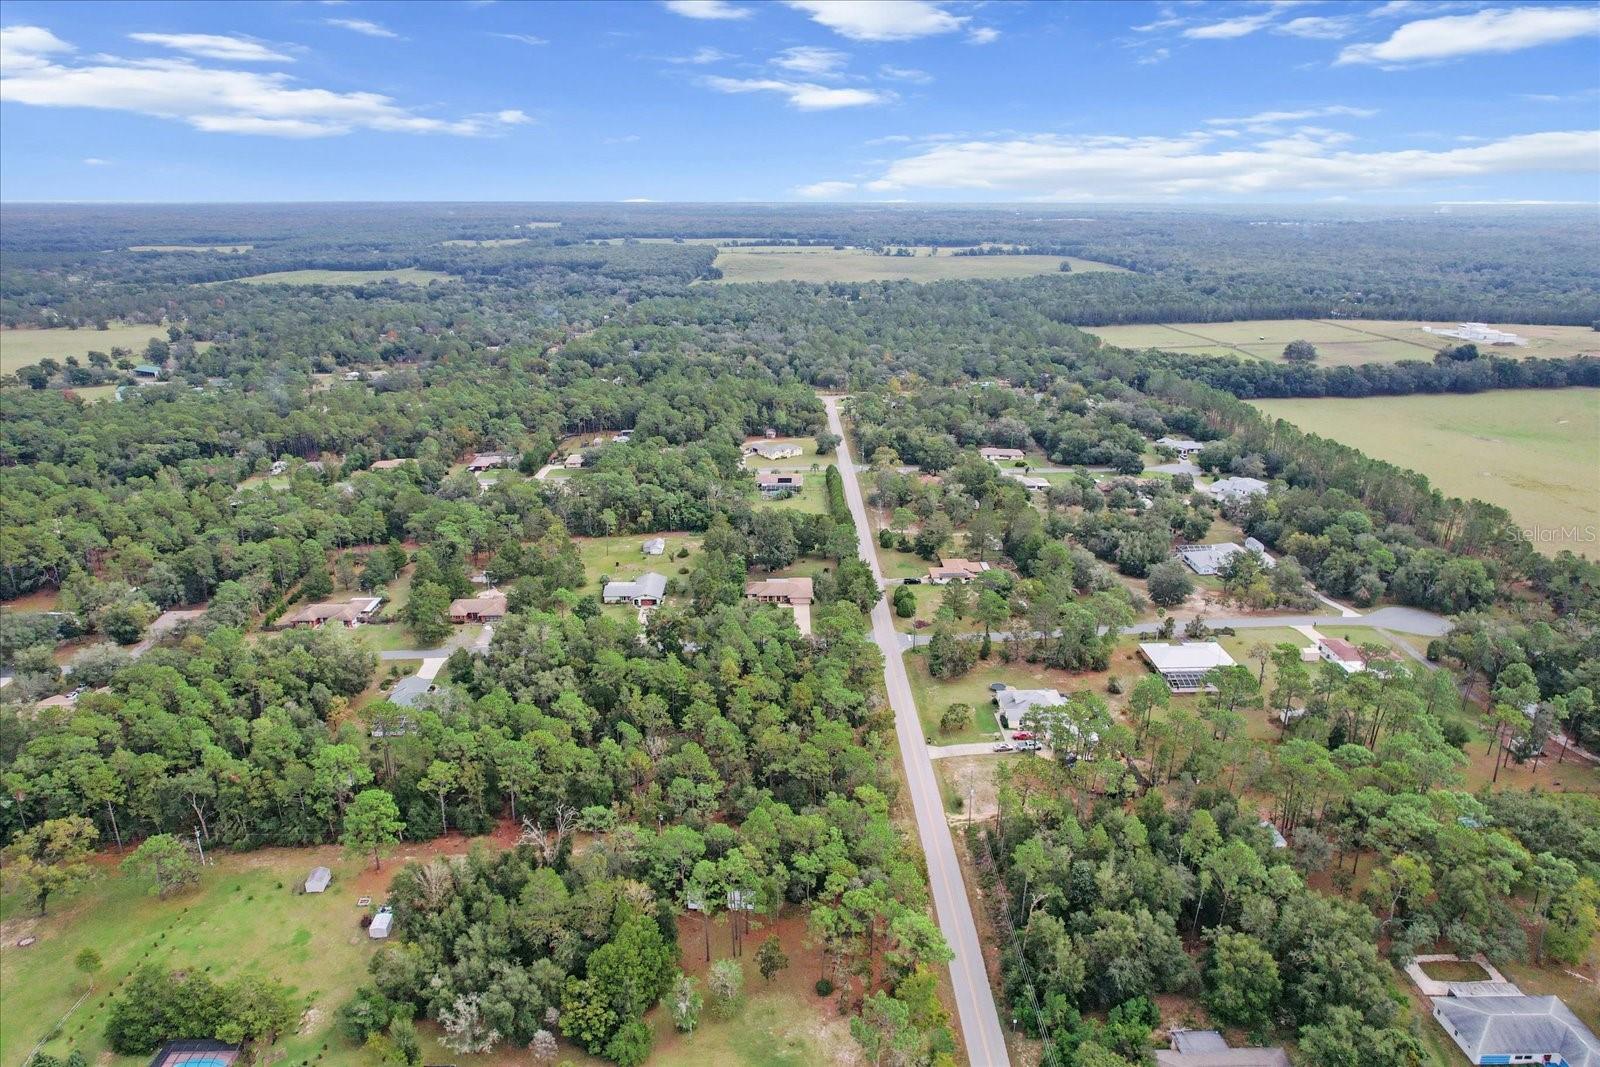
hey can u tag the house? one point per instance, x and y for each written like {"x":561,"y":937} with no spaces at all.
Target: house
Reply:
{"x":1338,"y":651}
{"x":487,"y":606}
{"x":409,"y":692}
{"x":1000,"y":455}
{"x":574,"y":462}
{"x":60,"y":700}
{"x":1181,"y":445}
{"x":645,"y":591}
{"x":1236,"y":489}
{"x":1210,"y":559}
{"x":1184,"y":666}
{"x":1477,"y":331}
{"x":773,"y":483}
{"x":1517,"y":1029}
{"x":654,"y":547}
{"x":1030,"y":483}
{"x":779,"y":591}
{"x":317,"y":881}
{"x":389,"y":464}
{"x":775,"y":450}
{"x":1014,"y":703}
{"x":381,"y":923}
{"x":1207,"y":1048}
{"x":483,"y":461}
{"x":350,"y":614}
{"x":352,"y":376}
{"x":955,"y":570}
{"x":147,"y":370}
{"x":195,"y":1052}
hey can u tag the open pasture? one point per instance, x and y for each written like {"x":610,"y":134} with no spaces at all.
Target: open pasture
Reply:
{"x":785,"y":263}
{"x":404,"y":275}
{"x":1339,"y":342}
{"x":1532,"y":451}
{"x":23,"y":348}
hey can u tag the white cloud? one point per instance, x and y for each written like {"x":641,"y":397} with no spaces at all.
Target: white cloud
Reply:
{"x":638,"y":200}
{"x":96,"y":161}
{"x":706,"y":9}
{"x":812,"y":61}
{"x":983,"y":35}
{"x":1158,"y":55}
{"x":1490,"y":30}
{"x":1194,"y":166}
{"x":1318,"y":27}
{"x":214,"y":46}
{"x":905,"y":74}
{"x":208,"y":98}
{"x":806,"y":96}
{"x":1227,"y":29}
{"x":881,"y":20}
{"x":362,"y":26}
{"x":702,"y":56}
{"x":1272,"y":121}
{"x":825,"y":190}
{"x":523,"y":38}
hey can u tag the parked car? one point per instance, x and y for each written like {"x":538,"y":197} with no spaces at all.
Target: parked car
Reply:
{"x":1003,"y":747}
{"x":1027,"y":746}
{"x":1022,"y":735}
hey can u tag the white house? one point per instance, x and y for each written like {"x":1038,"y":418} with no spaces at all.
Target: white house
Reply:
{"x":645,"y":591}
{"x":1029,"y":482}
{"x":1234,"y":489}
{"x":955,"y":570}
{"x":1209,"y":559}
{"x":1338,"y":651}
{"x":775,"y":450}
{"x":1517,"y":1029}
{"x":1181,"y":445}
{"x":1184,"y":666}
{"x":1000,"y":455}
{"x":1014,"y":703}
{"x":1478,"y":331}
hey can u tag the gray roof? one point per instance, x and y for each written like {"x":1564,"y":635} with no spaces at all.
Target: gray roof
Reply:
{"x":1511,"y":1026}
{"x":318,"y":880}
{"x":1016,"y":702}
{"x":1236,"y":487}
{"x":408,"y":692}
{"x":1198,"y":1041}
{"x":649,"y":584}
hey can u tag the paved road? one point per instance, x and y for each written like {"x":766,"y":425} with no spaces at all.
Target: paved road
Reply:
{"x":980,"y":1022}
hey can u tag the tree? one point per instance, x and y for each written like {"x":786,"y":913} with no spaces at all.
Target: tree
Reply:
{"x":726,"y":982}
{"x":630,"y":1045}
{"x":1300,"y":352}
{"x":955,"y":717}
{"x":441,"y":780}
{"x":88,"y":962}
{"x":371,"y":824}
{"x":883,"y":1029}
{"x":544,"y":1047}
{"x":166,"y":862}
{"x":948,"y":655}
{"x":465,"y":1029}
{"x":1170,"y":584}
{"x":1242,"y":984}
{"x":427,"y":613}
{"x":51,"y":859}
{"x":905,"y":601}
{"x":685,"y":1003}
{"x":771,"y":958}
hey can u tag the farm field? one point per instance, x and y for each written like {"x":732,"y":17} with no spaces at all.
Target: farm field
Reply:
{"x":229,"y":249}
{"x":23,"y":348}
{"x":1340,"y":343}
{"x":784,"y":263}
{"x":405,"y":275}
{"x":1532,"y":451}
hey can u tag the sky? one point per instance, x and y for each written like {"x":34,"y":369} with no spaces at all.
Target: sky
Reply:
{"x":1282,"y":101}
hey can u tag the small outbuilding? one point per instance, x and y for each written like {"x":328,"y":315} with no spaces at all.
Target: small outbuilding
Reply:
{"x":655,"y":546}
{"x":317,"y":881}
{"x":381,"y":923}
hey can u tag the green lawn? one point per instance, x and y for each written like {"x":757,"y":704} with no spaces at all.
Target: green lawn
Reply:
{"x":808,"y":455}
{"x":23,"y":348}
{"x":929,"y":600}
{"x":405,"y":275}
{"x":812,"y":499}
{"x":1531,"y":451}
{"x":619,"y":558}
{"x":933,"y":695}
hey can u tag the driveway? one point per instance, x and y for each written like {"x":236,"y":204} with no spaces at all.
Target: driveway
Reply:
{"x":977,"y":748}
{"x":980,"y":1022}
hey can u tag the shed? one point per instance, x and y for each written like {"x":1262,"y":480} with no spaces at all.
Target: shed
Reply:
{"x":317,"y":881}
{"x":381,"y":923}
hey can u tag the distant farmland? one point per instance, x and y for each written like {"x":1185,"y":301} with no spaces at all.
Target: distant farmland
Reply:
{"x":229,"y":249}
{"x":23,"y":348}
{"x":404,"y":275}
{"x":790,"y":263}
{"x":1532,"y":451}
{"x":1339,"y":342}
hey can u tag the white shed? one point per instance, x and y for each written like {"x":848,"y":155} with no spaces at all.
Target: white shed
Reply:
{"x":317,"y":881}
{"x":380,"y":924}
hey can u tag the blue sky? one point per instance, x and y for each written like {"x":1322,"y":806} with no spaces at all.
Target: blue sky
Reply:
{"x":1409,"y":101}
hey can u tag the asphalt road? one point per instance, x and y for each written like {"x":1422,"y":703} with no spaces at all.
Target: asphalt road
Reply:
{"x":980,"y":1022}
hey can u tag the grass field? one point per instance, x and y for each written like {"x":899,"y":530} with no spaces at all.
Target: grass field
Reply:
{"x":620,"y":558}
{"x":23,"y":348}
{"x":230,"y":249}
{"x":783,"y":263}
{"x":1340,"y":343}
{"x":405,"y":275}
{"x":1532,"y":451}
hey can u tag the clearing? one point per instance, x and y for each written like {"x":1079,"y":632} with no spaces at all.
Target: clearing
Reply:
{"x":404,"y":275}
{"x":492,"y":242}
{"x":816,"y":263}
{"x":1531,"y":451}
{"x":23,"y":348}
{"x":1339,"y":342}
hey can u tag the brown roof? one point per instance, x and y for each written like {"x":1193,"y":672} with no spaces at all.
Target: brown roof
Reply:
{"x":780,"y":480}
{"x":325,"y":611}
{"x":957,"y":568}
{"x":491,"y":602}
{"x":788,"y":590}
{"x":1343,"y":649}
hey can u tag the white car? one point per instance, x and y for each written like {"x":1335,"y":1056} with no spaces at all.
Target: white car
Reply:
{"x":1004,"y":746}
{"x":1027,"y":746}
